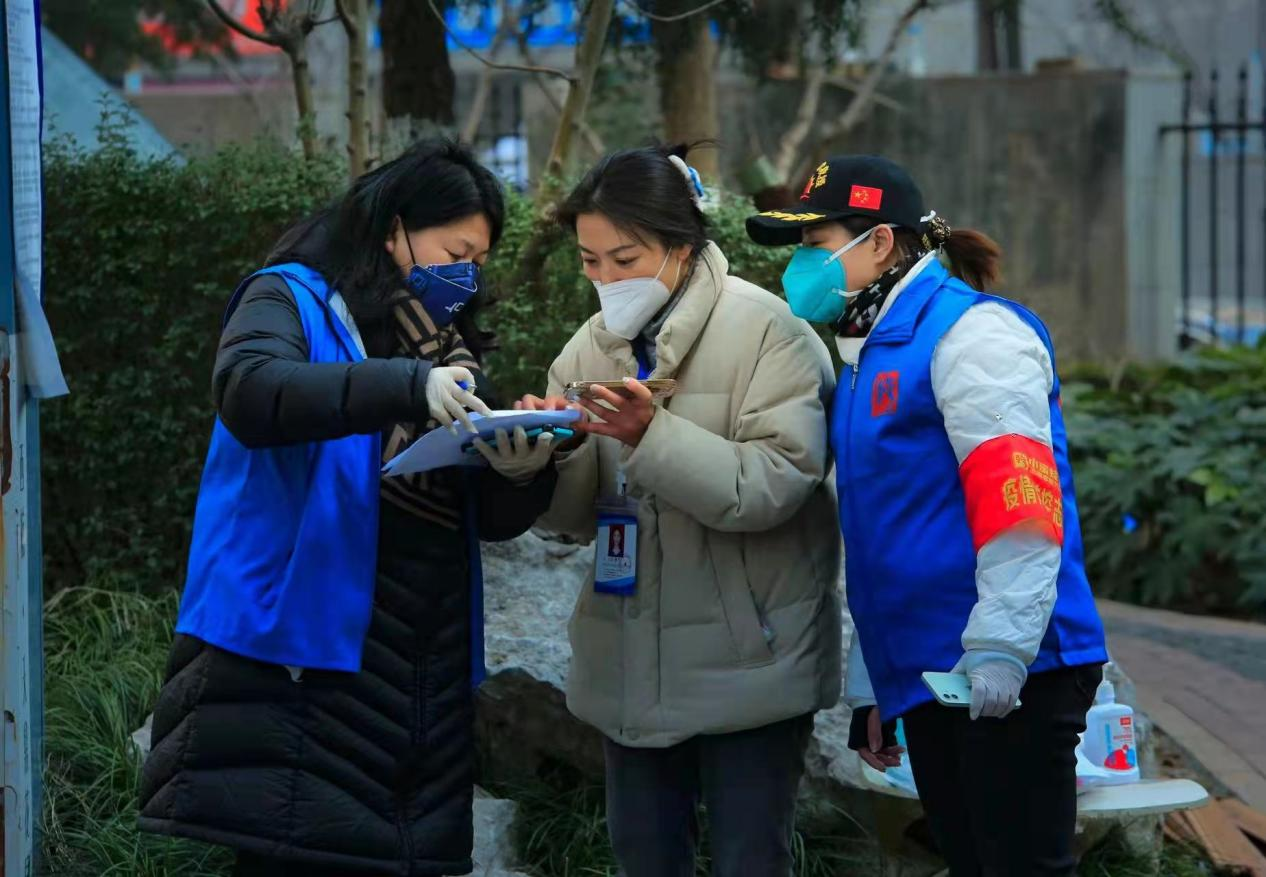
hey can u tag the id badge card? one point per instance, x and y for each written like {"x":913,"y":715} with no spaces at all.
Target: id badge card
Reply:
{"x":615,"y":547}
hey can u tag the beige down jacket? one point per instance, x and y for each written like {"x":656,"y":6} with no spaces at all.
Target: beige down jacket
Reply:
{"x":735,"y":622}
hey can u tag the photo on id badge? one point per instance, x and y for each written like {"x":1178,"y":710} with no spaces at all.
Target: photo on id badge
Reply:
{"x":615,"y":553}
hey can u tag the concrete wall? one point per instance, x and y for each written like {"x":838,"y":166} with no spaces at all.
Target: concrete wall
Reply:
{"x":1063,"y":170}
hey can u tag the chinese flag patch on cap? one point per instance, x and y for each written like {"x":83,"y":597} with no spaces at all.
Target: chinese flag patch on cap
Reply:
{"x":866,"y":197}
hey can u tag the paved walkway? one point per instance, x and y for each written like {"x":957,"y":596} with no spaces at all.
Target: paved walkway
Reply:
{"x":1202,"y":680}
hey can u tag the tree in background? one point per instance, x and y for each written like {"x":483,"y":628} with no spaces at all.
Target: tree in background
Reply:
{"x":417,"y":78}
{"x":355,"y":17}
{"x":287,"y":27}
{"x":686,"y":61}
{"x":108,"y":35}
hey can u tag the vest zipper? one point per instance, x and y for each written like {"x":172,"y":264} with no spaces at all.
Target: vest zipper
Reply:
{"x":856,"y":367}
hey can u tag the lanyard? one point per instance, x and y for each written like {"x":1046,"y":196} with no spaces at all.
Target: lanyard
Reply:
{"x":644,"y":368}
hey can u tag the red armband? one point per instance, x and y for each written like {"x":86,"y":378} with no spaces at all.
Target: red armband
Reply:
{"x":1008,"y":481}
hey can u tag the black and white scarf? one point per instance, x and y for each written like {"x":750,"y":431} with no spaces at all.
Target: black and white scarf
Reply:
{"x":433,"y":496}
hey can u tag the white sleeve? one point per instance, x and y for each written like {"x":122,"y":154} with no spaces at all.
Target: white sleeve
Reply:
{"x":992,"y":376}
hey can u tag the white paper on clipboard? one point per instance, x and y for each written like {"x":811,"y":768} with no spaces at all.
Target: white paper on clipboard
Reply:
{"x":440,"y":448}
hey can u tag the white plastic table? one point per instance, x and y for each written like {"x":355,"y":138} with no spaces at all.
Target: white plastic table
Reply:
{"x":1144,"y":798}
{"x":1139,"y":807}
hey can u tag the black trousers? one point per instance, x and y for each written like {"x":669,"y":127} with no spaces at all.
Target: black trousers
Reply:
{"x":1001,"y":794}
{"x":748,"y":782}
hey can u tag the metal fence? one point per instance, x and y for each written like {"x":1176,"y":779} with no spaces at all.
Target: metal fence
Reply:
{"x":1223,"y":205}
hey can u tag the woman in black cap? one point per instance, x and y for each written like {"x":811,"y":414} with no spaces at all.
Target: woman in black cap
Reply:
{"x":963,"y":548}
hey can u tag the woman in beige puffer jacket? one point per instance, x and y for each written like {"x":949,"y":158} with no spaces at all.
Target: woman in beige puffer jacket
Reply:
{"x":706,"y":677}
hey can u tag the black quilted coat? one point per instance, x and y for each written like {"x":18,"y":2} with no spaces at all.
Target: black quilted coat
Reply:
{"x":368,"y":772}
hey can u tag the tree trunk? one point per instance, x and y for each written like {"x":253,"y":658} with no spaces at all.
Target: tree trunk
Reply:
{"x":588,"y":54}
{"x":686,"y":67}
{"x":417,"y":79}
{"x":357,"y":86}
{"x":505,"y":29}
{"x":986,"y":35}
{"x":296,"y":50}
{"x":1010,"y":15}
{"x":527,"y":278}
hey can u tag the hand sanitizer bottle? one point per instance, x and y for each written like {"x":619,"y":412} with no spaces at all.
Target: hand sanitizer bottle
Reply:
{"x":1108,"y":743}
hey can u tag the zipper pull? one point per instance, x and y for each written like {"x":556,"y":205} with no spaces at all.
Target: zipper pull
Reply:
{"x":856,"y":366}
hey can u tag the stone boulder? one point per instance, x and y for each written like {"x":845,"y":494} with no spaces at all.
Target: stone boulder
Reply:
{"x":525,"y":730}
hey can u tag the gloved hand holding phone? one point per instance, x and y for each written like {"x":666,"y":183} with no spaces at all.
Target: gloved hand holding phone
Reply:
{"x":520,"y":460}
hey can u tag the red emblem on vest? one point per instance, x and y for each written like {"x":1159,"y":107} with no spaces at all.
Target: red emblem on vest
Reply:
{"x":883,"y":394}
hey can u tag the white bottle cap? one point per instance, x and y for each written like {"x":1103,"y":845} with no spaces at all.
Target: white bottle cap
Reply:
{"x":1105,"y":693}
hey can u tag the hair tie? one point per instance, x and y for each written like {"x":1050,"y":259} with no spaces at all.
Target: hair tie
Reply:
{"x":937,"y":230}
{"x":692,"y":179}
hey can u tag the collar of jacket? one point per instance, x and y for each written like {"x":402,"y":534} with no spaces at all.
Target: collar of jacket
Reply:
{"x":684,"y":325}
{"x":899,"y":322}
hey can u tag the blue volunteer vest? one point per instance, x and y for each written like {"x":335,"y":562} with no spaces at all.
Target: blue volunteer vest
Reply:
{"x":285,"y":539}
{"x":909,"y":555}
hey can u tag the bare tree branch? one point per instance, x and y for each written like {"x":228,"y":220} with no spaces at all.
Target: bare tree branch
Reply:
{"x":355,"y":17}
{"x":235,"y":25}
{"x":793,"y":139}
{"x":470,"y":128}
{"x":344,"y":15}
{"x":522,"y":68}
{"x":592,"y":139}
{"x":866,"y":88}
{"x":669,"y":19}
{"x":588,"y":54}
{"x":586,"y":131}
{"x":854,"y":87}
{"x":527,"y":279}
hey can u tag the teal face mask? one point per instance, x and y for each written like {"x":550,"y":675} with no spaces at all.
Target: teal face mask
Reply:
{"x":816,"y":283}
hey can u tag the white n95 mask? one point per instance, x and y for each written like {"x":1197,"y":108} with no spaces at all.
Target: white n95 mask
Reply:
{"x":628,"y":305}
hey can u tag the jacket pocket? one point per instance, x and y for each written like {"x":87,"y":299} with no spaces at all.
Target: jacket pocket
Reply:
{"x":742,"y":616}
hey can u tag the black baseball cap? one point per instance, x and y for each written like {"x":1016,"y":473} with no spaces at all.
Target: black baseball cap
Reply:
{"x":843,"y":186}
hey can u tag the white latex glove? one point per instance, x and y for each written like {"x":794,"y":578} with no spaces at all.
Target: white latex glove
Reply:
{"x":448,"y":402}
{"x":518,"y":462}
{"x":996,"y":681}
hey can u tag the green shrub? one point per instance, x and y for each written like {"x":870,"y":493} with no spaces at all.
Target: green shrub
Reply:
{"x":1171,"y":480}
{"x":140,"y":260}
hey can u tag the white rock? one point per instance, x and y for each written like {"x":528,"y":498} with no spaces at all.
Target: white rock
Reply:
{"x":142,"y":736}
{"x":494,"y":841}
{"x":530,"y":587}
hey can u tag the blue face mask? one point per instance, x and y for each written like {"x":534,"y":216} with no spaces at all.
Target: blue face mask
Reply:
{"x":816,"y":283}
{"x":444,"y":290}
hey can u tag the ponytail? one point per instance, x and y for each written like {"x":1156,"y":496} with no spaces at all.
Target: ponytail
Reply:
{"x":974,"y":257}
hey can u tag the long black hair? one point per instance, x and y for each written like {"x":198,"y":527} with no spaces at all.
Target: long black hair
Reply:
{"x":642,"y":193}
{"x":436,"y":181}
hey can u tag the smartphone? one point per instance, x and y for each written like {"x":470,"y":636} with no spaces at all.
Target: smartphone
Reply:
{"x":561,"y":434}
{"x":950,"y":689}
{"x":660,"y":389}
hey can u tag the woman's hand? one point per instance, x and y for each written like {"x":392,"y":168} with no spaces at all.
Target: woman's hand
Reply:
{"x":628,"y":416}
{"x":448,"y":395}
{"x":875,"y":754}
{"x":521,"y":460}
{"x":548,"y":403}
{"x":557,"y":403}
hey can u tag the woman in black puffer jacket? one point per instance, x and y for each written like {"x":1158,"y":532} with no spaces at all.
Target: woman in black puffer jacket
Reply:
{"x":317,"y":713}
